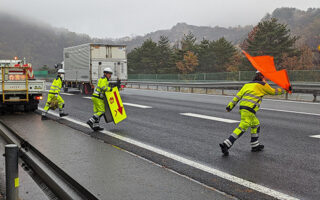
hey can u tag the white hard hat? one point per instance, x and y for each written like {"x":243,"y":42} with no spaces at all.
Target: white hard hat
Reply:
{"x":108,"y":70}
{"x":61,"y":71}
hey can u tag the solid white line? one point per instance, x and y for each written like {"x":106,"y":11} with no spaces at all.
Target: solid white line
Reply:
{"x":136,"y":105}
{"x":289,"y":111}
{"x":210,"y":118}
{"x":67,"y":93}
{"x":315,"y":136}
{"x":203,"y":167}
{"x":291,"y":101}
{"x":86,"y":97}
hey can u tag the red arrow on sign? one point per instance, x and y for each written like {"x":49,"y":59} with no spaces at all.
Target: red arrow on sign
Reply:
{"x":119,"y":106}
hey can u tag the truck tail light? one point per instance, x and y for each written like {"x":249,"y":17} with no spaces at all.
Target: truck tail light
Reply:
{"x":38,"y":97}
{"x":17,"y":77}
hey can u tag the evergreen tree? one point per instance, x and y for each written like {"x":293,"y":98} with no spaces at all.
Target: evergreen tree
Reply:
{"x":166,"y":63}
{"x":149,"y":56}
{"x":206,"y":57}
{"x":188,"y":43}
{"x":223,"y":52}
{"x":134,"y":59}
{"x":144,"y":59}
{"x":271,"y":38}
{"x":215,"y":56}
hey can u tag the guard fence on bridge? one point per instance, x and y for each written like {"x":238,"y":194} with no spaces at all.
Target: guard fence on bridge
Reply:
{"x":303,"y":81}
{"x":44,"y":75}
{"x":294,"y":75}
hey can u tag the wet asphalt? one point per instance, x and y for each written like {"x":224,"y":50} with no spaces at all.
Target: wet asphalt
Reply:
{"x":105,"y":170}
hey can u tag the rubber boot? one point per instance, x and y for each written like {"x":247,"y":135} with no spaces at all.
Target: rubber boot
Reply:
{"x":44,"y":116}
{"x":224,"y":149}
{"x":63,"y":114}
{"x":90,"y":124}
{"x":98,"y":128}
{"x":258,"y":148}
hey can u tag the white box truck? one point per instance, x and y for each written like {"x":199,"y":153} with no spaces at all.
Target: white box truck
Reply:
{"x":84,"y":64}
{"x":18,"y":85}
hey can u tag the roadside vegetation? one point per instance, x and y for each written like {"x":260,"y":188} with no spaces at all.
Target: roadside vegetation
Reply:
{"x":187,"y":56}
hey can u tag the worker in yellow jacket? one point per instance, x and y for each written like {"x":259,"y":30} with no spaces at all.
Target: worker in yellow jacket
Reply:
{"x":98,"y":99}
{"x":251,"y":97}
{"x":55,"y":92}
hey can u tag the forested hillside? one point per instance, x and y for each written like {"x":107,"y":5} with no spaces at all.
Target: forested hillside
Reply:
{"x":177,"y":32}
{"x":305,"y":24}
{"x":42,"y":44}
{"x":39,"y":43}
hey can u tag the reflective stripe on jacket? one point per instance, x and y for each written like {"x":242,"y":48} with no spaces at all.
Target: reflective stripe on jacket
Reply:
{"x":56,"y":86}
{"x":251,"y":95}
{"x":102,"y":87}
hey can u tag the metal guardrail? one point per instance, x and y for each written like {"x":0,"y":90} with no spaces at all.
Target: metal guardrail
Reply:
{"x":61,"y":185}
{"x":306,"y":88}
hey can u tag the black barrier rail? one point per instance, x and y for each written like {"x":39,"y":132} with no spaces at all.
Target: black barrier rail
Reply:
{"x":305,"y":88}
{"x":60,"y":183}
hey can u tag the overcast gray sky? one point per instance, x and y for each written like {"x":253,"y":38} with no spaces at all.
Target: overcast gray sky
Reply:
{"x":119,"y":18}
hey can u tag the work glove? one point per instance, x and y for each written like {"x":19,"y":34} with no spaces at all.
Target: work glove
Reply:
{"x":228,"y":108}
{"x":101,"y":95}
{"x":56,"y":95}
{"x":289,"y":89}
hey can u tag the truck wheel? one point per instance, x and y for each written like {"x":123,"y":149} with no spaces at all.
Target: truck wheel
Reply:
{"x":87,"y":89}
{"x":34,"y":107}
{"x":82,"y":89}
{"x":27,"y":108}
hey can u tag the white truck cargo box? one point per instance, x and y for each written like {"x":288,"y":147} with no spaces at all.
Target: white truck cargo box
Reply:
{"x":84,"y":64}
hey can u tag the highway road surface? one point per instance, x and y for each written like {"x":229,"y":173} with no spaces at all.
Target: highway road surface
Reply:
{"x":182,"y":131}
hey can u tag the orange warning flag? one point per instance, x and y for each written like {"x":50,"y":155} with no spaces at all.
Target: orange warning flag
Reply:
{"x":265,"y":65}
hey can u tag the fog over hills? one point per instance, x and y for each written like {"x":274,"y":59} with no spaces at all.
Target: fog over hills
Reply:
{"x":42,"y":44}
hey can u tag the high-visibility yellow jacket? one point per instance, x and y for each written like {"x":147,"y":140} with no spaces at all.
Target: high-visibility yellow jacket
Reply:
{"x":101,"y":88}
{"x":56,"y":86}
{"x":251,"y":95}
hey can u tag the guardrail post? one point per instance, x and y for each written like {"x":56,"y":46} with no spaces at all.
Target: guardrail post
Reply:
{"x":12,"y":175}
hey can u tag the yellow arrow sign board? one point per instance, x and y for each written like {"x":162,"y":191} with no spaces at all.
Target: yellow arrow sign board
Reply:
{"x":115,"y":105}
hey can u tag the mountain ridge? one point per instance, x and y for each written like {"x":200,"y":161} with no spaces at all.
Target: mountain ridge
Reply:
{"x":41,"y":44}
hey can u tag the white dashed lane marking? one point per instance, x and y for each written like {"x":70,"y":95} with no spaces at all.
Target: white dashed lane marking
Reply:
{"x":315,"y":136}
{"x":136,"y":105}
{"x":129,"y":104}
{"x":67,"y":94}
{"x":210,"y":118}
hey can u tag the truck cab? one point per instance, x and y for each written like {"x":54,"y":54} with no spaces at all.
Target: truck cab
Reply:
{"x":18,"y":85}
